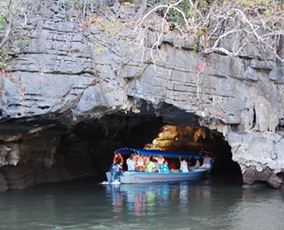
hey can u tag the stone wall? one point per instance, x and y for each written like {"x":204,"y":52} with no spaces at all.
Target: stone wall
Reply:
{"x":67,"y":72}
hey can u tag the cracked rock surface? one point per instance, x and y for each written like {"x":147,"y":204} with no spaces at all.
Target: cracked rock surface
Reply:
{"x":65,"y":74}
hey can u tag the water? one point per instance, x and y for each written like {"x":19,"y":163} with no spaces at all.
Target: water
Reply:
{"x":207,"y":204}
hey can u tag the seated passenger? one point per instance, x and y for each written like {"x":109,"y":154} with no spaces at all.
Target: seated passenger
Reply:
{"x":130,"y":164}
{"x":158,"y":166}
{"x":172,"y":167}
{"x":150,"y":165}
{"x":184,"y":166}
{"x":197,"y":164}
{"x":206,"y":162}
{"x":164,"y":167}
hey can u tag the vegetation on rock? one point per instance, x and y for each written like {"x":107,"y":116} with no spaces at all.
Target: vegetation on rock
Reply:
{"x":212,"y":22}
{"x":12,"y":21}
{"x":218,"y":26}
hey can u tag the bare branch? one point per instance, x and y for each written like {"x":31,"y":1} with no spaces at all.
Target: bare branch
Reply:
{"x":4,"y":16}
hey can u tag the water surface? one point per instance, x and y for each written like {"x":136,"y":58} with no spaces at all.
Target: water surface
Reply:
{"x":206,"y":204}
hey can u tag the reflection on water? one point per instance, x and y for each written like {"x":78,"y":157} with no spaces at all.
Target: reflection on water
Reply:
{"x":199,"y":205}
{"x":157,"y":198}
{"x":139,"y":199}
{"x":88,"y":205}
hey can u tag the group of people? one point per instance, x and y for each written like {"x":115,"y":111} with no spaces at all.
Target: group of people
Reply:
{"x":153,"y":165}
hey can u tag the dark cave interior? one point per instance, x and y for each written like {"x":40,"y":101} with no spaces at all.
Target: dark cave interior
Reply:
{"x":48,"y":150}
{"x":113,"y":132}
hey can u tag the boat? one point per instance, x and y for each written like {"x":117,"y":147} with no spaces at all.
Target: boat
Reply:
{"x":130,"y":177}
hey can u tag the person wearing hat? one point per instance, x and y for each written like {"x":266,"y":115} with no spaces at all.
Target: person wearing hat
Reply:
{"x":164,"y":167}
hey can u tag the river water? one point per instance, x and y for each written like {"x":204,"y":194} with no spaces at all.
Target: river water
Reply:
{"x":85,"y":204}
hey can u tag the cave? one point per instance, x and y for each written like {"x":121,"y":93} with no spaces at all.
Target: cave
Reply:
{"x":55,"y":148}
{"x":112,"y":132}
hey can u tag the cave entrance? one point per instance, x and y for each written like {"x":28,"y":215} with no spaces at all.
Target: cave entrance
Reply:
{"x":41,"y":151}
{"x":89,"y":147}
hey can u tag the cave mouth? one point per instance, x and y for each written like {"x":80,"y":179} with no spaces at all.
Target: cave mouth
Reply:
{"x":96,"y":140}
{"x":41,"y":151}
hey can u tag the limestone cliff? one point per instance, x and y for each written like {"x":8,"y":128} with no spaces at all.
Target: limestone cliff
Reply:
{"x":67,"y":73}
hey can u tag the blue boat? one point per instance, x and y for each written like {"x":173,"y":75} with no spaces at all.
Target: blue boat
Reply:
{"x":130,"y":177}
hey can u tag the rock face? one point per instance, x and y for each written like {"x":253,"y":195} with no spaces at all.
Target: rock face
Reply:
{"x":68,"y":73}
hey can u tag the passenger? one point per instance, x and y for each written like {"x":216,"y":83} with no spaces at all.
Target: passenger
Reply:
{"x":191,"y":161}
{"x":164,"y":167}
{"x":184,"y":166}
{"x":206,"y":162}
{"x":150,"y":165}
{"x":197,"y":164}
{"x":173,"y":167}
{"x":130,"y":164}
{"x":158,"y":166}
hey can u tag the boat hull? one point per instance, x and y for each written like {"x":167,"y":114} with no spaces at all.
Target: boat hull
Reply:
{"x":145,"y":177}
